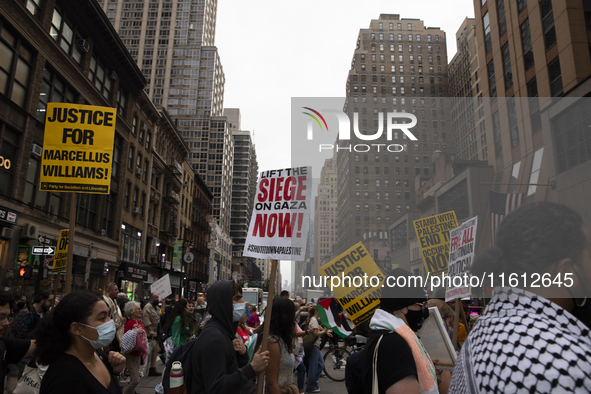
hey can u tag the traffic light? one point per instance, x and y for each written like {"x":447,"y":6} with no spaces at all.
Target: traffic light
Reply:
{"x":25,"y":272}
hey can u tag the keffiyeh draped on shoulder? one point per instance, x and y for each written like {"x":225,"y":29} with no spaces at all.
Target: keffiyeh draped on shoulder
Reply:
{"x":524,"y":343}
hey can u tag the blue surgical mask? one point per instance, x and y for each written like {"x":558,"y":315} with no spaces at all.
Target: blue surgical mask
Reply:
{"x":239,"y":311}
{"x":106,"y":334}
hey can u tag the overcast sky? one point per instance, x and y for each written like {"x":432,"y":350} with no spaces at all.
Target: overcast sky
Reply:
{"x":272,"y":51}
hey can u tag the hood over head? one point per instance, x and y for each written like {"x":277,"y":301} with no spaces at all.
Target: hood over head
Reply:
{"x":219,"y":296}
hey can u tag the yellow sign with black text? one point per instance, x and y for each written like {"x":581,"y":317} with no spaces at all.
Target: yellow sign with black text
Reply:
{"x":356,"y":281}
{"x":433,"y":236}
{"x":77,"y":148}
{"x":60,"y":259}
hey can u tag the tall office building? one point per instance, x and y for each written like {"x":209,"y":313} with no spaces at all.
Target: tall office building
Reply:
{"x":536,"y":50}
{"x":325,"y":215}
{"x":399,"y":65}
{"x":173,"y":44}
{"x":244,"y":183}
{"x":467,"y":113}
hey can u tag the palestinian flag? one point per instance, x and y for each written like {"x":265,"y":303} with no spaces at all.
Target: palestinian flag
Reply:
{"x":331,"y":318}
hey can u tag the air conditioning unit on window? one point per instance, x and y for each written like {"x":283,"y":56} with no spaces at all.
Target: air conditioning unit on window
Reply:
{"x":83,"y":45}
{"x":7,"y":232}
{"x":37,"y":150}
{"x":113,"y":75}
{"x":144,"y":127}
{"x":103,"y":232}
{"x":137,"y":210}
{"x":138,"y":171}
{"x":29,"y":231}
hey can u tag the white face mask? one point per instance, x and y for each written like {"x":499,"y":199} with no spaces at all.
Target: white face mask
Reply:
{"x":239,"y":311}
{"x":106,"y":332}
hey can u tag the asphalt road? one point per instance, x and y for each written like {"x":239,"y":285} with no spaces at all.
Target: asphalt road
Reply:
{"x":147,"y":384}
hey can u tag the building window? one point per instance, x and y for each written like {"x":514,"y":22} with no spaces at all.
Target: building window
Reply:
{"x":497,"y":135}
{"x":62,"y":31}
{"x":87,"y":208}
{"x":456,"y":199}
{"x":572,"y":139}
{"x":513,"y":128}
{"x":127,"y":195}
{"x":548,"y":23}
{"x":535,"y":171}
{"x":45,"y":201}
{"x":15,"y":67}
{"x":507,"y":74}
{"x":130,"y":244}
{"x":501,"y":17}
{"x":53,"y":90}
{"x":121,"y":102}
{"x":98,"y":74}
{"x":116,"y":156}
{"x":514,"y":177}
{"x":134,"y":125}
{"x":487,"y":36}
{"x":34,"y":6}
{"x":528,"y":53}
{"x":492,"y":86}
{"x":555,"y":77}
{"x":534,"y":106}
{"x":130,"y":158}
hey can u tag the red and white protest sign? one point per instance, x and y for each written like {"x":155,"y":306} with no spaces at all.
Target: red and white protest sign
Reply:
{"x":280,"y":218}
{"x":462,"y":244}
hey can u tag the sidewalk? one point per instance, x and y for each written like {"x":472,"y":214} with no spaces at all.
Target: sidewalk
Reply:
{"x":148,"y":383}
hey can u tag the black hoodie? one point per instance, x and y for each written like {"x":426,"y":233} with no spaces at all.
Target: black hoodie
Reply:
{"x":216,"y":367}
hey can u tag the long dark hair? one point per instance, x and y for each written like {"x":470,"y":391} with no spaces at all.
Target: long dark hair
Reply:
{"x":178,"y":310}
{"x":52,"y":333}
{"x":532,"y":238}
{"x":283,"y":321}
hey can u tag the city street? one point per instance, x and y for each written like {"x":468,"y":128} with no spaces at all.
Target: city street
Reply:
{"x":148,"y":383}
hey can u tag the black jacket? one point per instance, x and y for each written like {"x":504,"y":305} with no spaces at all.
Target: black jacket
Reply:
{"x":216,"y":367}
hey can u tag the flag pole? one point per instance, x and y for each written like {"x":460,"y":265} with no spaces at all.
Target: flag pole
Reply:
{"x":267,"y":322}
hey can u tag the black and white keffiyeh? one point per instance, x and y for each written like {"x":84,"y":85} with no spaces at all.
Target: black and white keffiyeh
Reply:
{"x":524,"y":343}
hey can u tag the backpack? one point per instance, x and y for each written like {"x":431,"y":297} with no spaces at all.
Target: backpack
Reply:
{"x":182,"y":354}
{"x":354,"y":373}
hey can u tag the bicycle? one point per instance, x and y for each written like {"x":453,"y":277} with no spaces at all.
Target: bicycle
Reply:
{"x":335,"y":360}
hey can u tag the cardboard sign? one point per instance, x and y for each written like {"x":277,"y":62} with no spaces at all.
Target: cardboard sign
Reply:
{"x":280,"y":218}
{"x":360,"y":296}
{"x":77,"y":148}
{"x":462,"y":245}
{"x":433,"y":236}
{"x":436,"y":341}
{"x":60,"y":260}
{"x":162,"y":287}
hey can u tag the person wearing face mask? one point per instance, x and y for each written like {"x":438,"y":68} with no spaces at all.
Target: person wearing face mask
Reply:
{"x":534,"y":337}
{"x":219,"y":361}
{"x":151,"y":321}
{"x":70,"y":341}
{"x":403,"y":365}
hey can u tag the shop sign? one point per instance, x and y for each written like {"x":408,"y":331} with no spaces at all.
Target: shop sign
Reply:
{"x":7,"y":216}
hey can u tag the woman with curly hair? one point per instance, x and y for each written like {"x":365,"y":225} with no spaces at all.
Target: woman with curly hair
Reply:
{"x":70,"y":339}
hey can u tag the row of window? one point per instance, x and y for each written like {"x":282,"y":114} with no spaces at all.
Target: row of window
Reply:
{"x":399,"y":37}
{"x":411,"y":48}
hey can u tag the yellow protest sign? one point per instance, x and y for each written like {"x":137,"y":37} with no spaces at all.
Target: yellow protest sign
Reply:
{"x":60,"y":260}
{"x":77,"y":148}
{"x":356,"y":281}
{"x":433,"y":236}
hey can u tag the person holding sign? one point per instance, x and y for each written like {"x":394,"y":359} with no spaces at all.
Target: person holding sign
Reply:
{"x":394,"y":354}
{"x":535,"y":335}
{"x":217,"y":368}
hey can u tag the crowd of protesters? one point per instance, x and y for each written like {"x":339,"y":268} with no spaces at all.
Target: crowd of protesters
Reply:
{"x":528,"y":339}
